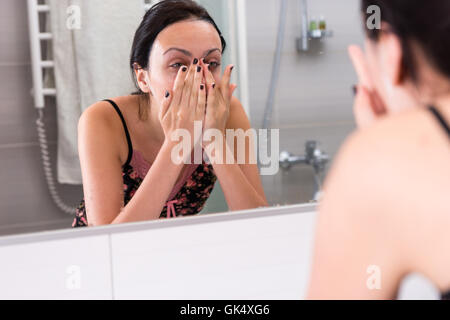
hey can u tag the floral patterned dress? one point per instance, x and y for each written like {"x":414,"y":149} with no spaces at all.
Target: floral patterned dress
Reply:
{"x":189,"y":200}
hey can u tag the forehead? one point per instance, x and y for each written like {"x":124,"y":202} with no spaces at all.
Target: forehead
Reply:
{"x":195,"y":36}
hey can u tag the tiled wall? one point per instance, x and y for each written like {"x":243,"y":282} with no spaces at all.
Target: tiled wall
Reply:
{"x":313,"y":102}
{"x":25,"y":203}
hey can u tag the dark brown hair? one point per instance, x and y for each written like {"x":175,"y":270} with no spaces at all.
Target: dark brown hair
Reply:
{"x":425,"y":21}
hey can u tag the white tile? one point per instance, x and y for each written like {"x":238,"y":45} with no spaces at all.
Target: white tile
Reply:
{"x":76,"y":268}
{"x":259,"y":258}
{"x":14,"y":41}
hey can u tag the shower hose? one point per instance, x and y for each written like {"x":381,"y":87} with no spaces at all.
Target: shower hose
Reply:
{"x":46,"y":164}
{"x":265,"y":141}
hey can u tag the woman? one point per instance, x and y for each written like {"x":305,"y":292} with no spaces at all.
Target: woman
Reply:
{"x":386,"y":206}
{"x":125,"y":144}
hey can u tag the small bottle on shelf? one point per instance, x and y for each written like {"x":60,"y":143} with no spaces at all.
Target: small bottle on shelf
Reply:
{"x":322,"y":23}
{"x":313,"y":24}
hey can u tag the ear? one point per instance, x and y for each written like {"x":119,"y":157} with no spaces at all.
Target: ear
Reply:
{"x":142,"y":78}
{"x":391,"y":56}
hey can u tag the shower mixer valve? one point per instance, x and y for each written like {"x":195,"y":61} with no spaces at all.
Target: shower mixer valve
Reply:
{"x":313,"y":157}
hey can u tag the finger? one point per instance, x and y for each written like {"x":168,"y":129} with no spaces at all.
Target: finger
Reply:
{"x":188,"y":82}
{"x":209,"y":78}
{"x":225,"y":82}
{"x":201,"y":102}
{"x":205,"y":69}
{"x":165,"y":104}
{"x":359,"y":62}
{"x":211,"y":98}
{"x":200,"y":110}
{"x":198,"y":78}
{"x":378,"y":105}
{"x":362,"y":108}
{"x":232,"y":89}
{"x":179,"y":85}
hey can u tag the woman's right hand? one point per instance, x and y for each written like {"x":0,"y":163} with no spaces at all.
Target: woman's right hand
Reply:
{"x":183,"y":105}
{"x":368,"y":106}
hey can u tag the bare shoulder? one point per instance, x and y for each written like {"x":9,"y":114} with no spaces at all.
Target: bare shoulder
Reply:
{"x":393,"y":179}
{"x":395,"y":152}
{"x":235,"y":102}
{"x":101,"y":120}
{"x":402,"y":147}
{"x":238,"y":117}
{"x":103,"y":112}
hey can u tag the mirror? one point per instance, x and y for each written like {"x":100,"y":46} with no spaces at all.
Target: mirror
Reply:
{"x":293,"y":76}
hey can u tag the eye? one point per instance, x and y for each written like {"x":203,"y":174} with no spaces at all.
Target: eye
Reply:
{"x":214,"y":64}
{"x":176,"y":65}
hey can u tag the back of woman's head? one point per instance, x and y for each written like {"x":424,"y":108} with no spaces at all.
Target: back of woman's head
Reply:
{"x":427,"y":22}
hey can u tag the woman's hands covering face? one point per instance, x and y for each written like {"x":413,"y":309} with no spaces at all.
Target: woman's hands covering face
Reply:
{"x":196,"y":97}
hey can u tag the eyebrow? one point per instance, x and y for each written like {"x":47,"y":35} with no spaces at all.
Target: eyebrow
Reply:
{"x":187,"y":53}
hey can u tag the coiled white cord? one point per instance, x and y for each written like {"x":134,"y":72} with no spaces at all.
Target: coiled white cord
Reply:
{"x":46,"y":164}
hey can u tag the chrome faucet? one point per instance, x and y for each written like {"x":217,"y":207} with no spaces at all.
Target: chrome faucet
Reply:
{"x":313,"y":157}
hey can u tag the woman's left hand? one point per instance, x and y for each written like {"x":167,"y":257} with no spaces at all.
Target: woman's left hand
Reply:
{"x":218,"y":100}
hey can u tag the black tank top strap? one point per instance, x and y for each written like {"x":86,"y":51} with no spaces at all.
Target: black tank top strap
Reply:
{"x":440,"y":118}
{"x":445,"y":295}
{"x":130,"y":146}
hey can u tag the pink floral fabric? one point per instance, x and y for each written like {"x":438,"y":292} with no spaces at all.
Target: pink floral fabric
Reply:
{"x":189,"y":200}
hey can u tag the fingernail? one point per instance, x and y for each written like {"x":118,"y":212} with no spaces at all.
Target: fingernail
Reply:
{"x":213,"y":85}
{"x":184,"y":69}
{"x":209,"y":67}
{"x":199,"y":69}
{"x":195,"y":61}
{"x":231,"y":69}
{"x":202,"y":87}
{"x":355,"y":90}
{"x":167,"y":94}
